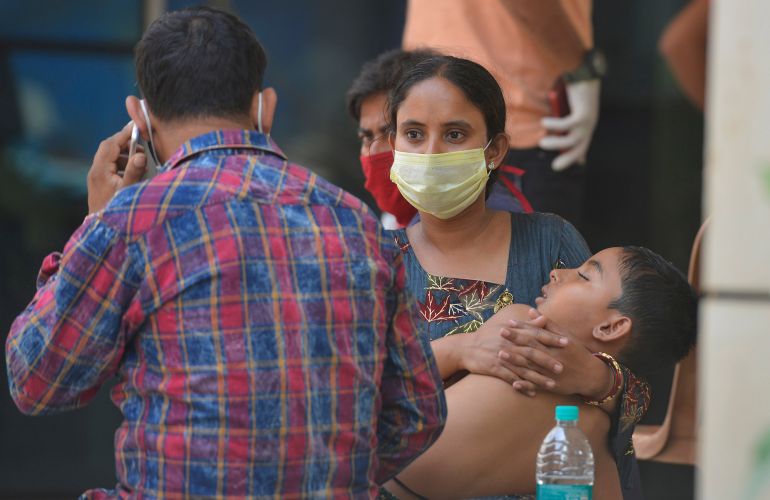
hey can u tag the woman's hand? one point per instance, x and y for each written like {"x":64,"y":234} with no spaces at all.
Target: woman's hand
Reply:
{"x":546,"y":360}
{"x":477,"y":352}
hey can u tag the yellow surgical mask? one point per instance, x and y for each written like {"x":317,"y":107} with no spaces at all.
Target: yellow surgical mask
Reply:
{"x":442,"y":184}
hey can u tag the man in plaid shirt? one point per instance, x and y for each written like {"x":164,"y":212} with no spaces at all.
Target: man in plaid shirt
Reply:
{"x":255,"y":315}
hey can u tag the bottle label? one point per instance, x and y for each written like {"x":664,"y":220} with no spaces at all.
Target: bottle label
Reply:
{"x":564,"y":491}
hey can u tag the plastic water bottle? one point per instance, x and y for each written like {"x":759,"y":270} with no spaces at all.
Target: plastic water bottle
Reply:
{"x":565,"y":462}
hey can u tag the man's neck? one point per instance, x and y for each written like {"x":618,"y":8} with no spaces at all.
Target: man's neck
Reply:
{"x":170,"y":136}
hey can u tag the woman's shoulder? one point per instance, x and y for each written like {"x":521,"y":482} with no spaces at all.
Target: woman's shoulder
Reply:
{"x":539,"y":228}
{"x":549,"y":231}
{"x":540,"y":220}
{"x":415,"y":273}
{"x":399,"y":238}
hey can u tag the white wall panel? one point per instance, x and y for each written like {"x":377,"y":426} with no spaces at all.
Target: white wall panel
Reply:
{"x":734,"y":362}
{"x":737,"y":176}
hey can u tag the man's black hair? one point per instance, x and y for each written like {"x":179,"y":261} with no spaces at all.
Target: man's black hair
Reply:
{"x":381,"y":74}
{"x":663,"y":310}
{"x":199,"y":62}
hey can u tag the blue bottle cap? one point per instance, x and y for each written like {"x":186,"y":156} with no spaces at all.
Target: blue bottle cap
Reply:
{"x":567,"y":413}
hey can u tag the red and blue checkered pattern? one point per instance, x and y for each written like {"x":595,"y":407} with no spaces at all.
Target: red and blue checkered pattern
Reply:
{"x":257,"y":319}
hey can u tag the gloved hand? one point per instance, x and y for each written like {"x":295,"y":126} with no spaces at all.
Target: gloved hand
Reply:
{"x":579,"y":125}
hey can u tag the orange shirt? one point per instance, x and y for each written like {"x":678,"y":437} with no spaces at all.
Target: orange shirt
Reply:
{"x":485,"y":31}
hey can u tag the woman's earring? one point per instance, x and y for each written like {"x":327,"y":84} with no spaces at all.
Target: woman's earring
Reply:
{"x":492,"y":165}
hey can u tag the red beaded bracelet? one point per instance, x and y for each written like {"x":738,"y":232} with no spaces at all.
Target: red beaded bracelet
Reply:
{"x":617,"y":383}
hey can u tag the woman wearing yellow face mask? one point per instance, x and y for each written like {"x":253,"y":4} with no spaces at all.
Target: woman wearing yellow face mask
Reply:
{"x":465,"y":261}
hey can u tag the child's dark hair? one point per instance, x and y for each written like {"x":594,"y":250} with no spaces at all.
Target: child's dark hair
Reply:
{"x":663,"y":310}
{"x":476,"y":83}
{"x":381,"y":75}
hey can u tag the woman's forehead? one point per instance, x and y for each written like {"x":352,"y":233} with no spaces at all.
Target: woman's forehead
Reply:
{"x":438,"y":95}
{"x":437,"y":92}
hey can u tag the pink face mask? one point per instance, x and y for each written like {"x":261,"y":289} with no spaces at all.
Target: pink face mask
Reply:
{"x":377,"y":172}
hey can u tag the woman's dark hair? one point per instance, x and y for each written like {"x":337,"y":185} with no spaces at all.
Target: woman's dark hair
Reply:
{"x":199,"y":62}
{"x":663,"y":311}
{"x":476,"y":83}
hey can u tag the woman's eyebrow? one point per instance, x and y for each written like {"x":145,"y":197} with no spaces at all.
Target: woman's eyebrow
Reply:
{"x":413,"y":123}
{"x":457,"y":123}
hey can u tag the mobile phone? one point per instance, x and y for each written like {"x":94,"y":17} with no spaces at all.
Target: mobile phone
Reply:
{"x":136,"y":139}
{"x":557,"y":99}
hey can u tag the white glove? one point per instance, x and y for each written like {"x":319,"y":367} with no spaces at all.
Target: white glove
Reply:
{"x":579,"y":125}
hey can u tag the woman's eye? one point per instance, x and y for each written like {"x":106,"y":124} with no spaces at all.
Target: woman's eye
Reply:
{"x":413,"y":134}
{"x":455,"y":135}
{"x":583,"y":276}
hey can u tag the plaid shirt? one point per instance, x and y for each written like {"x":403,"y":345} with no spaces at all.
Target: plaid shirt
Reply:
{"x":258,"y":322}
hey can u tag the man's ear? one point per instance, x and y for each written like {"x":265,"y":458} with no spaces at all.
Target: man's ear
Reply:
{"x":497,"y":149}
{"x":614,"y":328}
{"x":134,"y":108}
{"x":269,"y":103}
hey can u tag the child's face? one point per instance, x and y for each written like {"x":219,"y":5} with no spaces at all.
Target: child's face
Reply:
{"x":578,"y":299}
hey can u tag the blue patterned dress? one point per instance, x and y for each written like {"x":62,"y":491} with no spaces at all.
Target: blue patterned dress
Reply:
{"x":539,"y":243}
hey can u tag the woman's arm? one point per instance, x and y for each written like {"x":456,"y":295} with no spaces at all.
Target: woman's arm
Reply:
{"x":526,"y":359}
{"x":478,"y":352}
{"x":447,"y":352}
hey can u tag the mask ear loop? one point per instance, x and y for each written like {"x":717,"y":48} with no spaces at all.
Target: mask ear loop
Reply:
{"x":259,"y":114}
{"x":150,"y":146}
{"x":491,"y":165}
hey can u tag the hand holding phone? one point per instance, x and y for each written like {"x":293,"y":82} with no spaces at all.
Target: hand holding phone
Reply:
{"x":109,"y":172}
{"x":571,"y":134}
{"x":138,"y":144}
{"x":557,"y":99}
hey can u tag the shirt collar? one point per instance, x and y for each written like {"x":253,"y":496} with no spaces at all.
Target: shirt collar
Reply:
{"x":223,"y":139}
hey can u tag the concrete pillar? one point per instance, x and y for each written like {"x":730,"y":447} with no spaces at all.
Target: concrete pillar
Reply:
{"x":734,"y":344}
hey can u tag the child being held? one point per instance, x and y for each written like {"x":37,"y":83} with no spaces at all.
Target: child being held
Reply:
{"x":626,"y":302}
